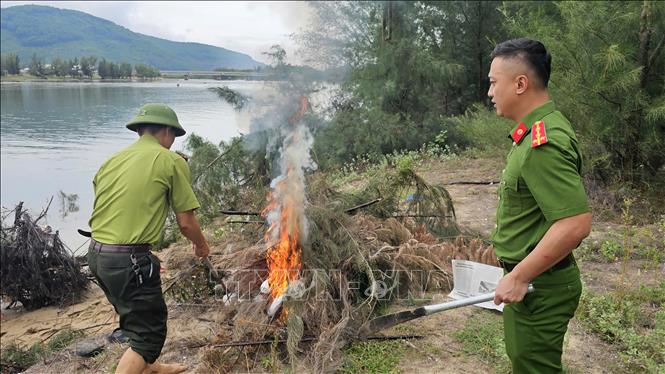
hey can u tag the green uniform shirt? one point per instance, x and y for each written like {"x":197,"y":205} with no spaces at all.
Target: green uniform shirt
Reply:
{"x":134,"y":190}
{"x":539,"y":185}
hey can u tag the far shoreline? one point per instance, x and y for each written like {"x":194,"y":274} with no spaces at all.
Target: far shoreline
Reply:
{"x":35,"y":79}
{"x":184,"y":76}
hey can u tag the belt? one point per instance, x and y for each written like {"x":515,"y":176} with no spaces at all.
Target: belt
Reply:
{"x":564,"y":263}
{"x":119,"y":248}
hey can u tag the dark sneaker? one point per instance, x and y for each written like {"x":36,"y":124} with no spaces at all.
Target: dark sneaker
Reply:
{"x":90,"y":346}
{"x":117,"y":336}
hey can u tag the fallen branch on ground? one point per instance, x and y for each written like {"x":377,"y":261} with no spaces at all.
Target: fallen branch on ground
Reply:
{"x":466,"y":182}
{"x":239,"y":213}
{"x":363,"y":205}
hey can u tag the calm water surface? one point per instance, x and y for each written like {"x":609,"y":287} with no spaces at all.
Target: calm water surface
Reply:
{"x":54,"y":137}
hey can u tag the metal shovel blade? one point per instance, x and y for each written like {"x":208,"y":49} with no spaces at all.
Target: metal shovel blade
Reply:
{"x":389,"y":320}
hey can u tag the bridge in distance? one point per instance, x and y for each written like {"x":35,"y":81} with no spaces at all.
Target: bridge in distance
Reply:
{"x":219,"y":75}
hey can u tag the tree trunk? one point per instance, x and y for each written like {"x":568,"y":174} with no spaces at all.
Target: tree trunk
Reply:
{"x":635,"y":130}
{"x":479,"y":51}
{"x":645,"y":39}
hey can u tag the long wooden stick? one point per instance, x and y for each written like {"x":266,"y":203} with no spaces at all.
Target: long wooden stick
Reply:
{"x":243,"y":213}
{"x":363,"y":205}
{"x":239,"y":213}
{"x":212,"y":162}
{"x":480,"y":183}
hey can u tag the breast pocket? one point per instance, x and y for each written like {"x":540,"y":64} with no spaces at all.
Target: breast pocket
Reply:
{"x":511,"y":196}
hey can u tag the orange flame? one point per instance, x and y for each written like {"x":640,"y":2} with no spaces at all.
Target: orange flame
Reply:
{"x":284,"y":253}
{"x":283,"y":236}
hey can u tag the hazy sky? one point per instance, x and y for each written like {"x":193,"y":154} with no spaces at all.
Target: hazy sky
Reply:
{"x":249,"y":27}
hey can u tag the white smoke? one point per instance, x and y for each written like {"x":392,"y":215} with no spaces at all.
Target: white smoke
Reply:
{"x":288,"y":189}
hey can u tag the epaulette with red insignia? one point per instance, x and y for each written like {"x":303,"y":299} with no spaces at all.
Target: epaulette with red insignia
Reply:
{"x":519,"y":132}
{"x":538,"y":135}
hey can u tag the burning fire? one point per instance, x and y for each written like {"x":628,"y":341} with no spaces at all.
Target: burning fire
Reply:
{"x":284,"y":256}
{"x":285,"y":211}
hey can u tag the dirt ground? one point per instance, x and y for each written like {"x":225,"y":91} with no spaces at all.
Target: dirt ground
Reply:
{"x":437,"y":352}
{"x":93,"y":315}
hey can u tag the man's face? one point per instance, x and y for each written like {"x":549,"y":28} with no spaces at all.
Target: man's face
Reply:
{"x":504,"y":90}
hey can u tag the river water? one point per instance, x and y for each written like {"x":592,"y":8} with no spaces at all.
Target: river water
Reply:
{"x":54,"y":137}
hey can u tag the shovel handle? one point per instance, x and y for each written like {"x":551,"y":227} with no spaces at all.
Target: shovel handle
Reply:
{"x":430,"y":309}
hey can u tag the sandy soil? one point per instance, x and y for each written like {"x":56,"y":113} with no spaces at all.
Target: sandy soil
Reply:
{"x":93,"y":315}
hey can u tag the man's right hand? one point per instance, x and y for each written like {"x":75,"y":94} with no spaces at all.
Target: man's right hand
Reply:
{"x":201,"y":251}
{"x":189,"y":226}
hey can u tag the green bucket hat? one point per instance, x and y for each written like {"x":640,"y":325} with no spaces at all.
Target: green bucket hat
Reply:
{"x":156,"y":114}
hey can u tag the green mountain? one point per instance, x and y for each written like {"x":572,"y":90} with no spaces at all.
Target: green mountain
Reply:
{"x":51,"y":32}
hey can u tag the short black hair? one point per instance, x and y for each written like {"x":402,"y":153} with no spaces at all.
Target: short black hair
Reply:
{"x":150,"y":128}
{"x":530,"y":51}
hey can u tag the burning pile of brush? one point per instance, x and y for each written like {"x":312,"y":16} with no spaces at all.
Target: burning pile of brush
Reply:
{"x":327,"y":259}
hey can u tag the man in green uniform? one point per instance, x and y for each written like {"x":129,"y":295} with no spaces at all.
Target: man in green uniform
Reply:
{"x":543,"y":212}
{"x":134,"y":190}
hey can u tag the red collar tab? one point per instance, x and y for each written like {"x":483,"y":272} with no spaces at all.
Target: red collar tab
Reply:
{"x":519,"y":132}
{"x":538,"y":135}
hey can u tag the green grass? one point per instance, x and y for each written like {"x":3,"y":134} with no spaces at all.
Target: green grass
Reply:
{"x":633,"y":242}
{"x":482,"y":336}
{"x":373,"y":357}
{"x":62,"y":339}
{"x":634,"y":321}
{"x":14,"y":358}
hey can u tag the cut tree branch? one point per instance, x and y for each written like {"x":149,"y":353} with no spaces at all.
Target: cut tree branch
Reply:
{"x":241,"y":221}
{"x":363,"y":205}
{"x":421,"y":216}
{"x":212,"y":162}
{"x":243,"y":213}
{"x":239,"y":213}
{"x":467,"y":182}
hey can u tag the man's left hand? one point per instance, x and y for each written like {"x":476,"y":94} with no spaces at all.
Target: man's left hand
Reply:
{"x":510,"y":290}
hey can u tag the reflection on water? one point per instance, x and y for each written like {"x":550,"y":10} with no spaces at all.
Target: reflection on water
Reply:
{"x":54,"y":136}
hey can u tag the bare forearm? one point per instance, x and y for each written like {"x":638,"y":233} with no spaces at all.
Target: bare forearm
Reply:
{"x":194,"y":234}
{"x":190,"y":228}
{"x":564,"y":236}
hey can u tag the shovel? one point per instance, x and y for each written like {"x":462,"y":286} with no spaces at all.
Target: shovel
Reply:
{"x":389,"y":320}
